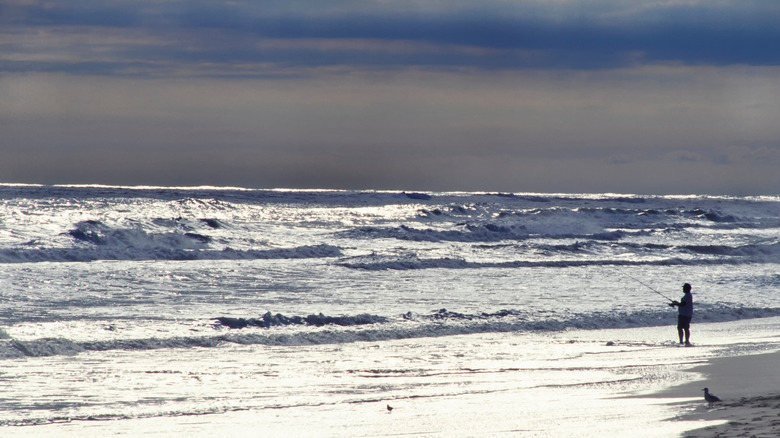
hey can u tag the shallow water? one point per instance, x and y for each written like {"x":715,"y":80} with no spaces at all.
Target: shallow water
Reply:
{"x":574,"y":383}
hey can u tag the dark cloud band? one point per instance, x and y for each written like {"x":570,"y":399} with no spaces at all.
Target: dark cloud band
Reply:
{"x":525,"y":36}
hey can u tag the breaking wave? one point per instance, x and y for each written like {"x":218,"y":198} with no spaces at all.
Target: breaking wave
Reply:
{"x":319,"y":329}
{"x":94,"y":240}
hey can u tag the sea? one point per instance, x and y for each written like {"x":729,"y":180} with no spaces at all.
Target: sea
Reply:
{"x":203,"y":311}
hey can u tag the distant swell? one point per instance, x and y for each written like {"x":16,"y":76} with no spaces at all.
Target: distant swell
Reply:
{"x":488,"y":232}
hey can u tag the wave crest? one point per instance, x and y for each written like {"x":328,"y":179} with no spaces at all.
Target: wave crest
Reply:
{"x":271,"y":320}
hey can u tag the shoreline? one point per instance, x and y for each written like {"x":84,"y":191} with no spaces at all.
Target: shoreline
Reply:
{"x":749,"y":388}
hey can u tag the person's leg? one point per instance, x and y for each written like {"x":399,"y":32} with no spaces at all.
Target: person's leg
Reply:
{"x":687,"y":336}
{"x":680,"y":326}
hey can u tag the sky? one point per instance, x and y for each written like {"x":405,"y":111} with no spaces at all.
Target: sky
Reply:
{"x":647,"y":97}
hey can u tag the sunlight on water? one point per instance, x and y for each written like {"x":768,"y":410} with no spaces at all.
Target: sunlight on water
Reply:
{"x":170,"y":311}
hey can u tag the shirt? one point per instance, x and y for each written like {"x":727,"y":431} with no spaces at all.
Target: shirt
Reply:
{"x":686,"y":305}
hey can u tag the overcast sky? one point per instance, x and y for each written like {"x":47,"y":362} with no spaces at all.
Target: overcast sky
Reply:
{"x":665,"y":97}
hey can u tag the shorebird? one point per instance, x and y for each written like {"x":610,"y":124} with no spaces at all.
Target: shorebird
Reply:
{"x":709,"y":397}
{"x":389,"y":408}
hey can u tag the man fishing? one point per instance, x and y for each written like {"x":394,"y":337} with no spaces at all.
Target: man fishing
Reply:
{"x":684,"y":314}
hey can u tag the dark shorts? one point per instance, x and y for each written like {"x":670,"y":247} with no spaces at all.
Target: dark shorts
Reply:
{"x":683,"y":322}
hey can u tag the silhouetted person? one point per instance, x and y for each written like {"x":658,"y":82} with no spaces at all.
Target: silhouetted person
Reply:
{"x":684,"y":314}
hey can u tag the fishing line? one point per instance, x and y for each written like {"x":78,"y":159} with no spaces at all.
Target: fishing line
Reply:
{"x":647,"y":286}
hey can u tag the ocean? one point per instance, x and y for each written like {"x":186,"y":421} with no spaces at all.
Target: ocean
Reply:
{"x":165,"y":311}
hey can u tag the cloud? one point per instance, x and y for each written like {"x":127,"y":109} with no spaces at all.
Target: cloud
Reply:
{"x":683,"y":156}
{"x":259,"y":38}
{"x":542,"y":95}
{"x":764,"y":155}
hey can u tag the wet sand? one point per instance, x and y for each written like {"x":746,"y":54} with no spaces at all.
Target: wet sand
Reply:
{"x":749,"y":387}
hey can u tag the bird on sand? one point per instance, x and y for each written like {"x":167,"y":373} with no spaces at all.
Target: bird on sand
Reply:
{"x":710,"y":397}
{"x":389,"y":408}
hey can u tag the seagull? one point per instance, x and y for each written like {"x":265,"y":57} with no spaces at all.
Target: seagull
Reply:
{"x":389,"y":408}
{"x":709,"y":397}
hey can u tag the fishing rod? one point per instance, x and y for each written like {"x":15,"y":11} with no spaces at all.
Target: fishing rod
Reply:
{"x":647,"y":286}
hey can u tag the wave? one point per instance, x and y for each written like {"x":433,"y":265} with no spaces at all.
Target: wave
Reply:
{"x":772,"y":250}
{"x":165,"y":253}
{"x":98,"y":233}
{"x":155,"y":239}
{"x":376,"y":262}
{"x":533,"y":230}
{"x":373,"y":328}
{"x":486,"y":232}
{"x":498,"y":222}
{"x":271,"y":320}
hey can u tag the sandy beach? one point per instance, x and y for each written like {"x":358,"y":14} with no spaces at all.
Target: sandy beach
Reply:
{"x":749,"y":387}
